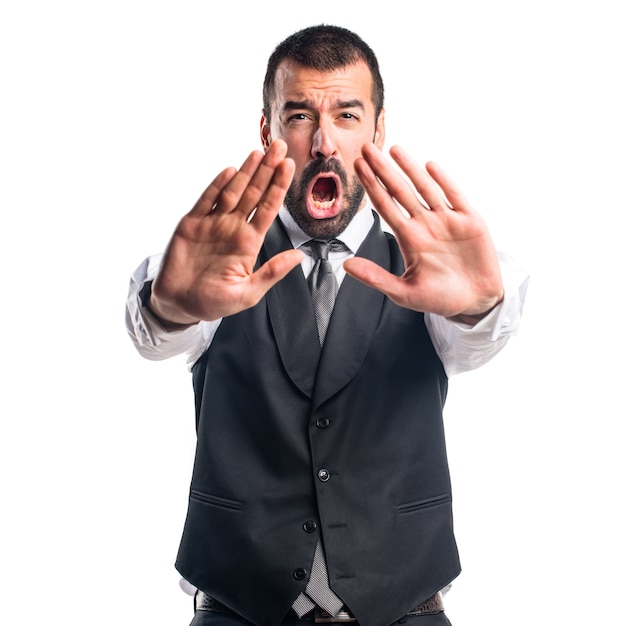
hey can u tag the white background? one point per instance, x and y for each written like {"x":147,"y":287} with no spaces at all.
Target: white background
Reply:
{"x":114,"y":117}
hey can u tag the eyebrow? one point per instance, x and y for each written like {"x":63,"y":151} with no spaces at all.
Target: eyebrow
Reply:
{"x":293,"y":105}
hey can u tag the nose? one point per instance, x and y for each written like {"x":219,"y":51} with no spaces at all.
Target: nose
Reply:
{"x":323,"y":145}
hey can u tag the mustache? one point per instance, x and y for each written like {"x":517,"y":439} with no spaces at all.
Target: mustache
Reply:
{"x":323,"y":166}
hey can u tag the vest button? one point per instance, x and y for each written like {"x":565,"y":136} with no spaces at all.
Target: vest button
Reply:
{"x":309,"y":526}
{"x":323,"y":475}
{"x":323,"y":422}
{"x":299,"y":574}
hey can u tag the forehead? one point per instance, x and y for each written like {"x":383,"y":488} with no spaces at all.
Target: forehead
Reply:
{"x":296,"y":83}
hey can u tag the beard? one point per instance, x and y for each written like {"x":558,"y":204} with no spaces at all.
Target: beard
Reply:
{"x":296,"y":201}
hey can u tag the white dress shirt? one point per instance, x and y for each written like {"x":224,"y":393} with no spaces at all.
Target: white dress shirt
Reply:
{"x":461,"y":347}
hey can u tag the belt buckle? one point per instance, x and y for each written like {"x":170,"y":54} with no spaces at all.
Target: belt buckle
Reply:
{"x":323,"y":617}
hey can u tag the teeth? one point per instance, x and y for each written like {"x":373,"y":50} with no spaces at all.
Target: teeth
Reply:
{"x":323,"y":205}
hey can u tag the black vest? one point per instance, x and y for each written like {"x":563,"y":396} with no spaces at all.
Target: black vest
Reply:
{"x":346,"y":442}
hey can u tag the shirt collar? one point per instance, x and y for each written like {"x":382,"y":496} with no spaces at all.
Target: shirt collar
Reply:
{"x":353,"y":235}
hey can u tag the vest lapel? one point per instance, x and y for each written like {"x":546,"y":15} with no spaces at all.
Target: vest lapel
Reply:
{"x":291,"y":315}
{"x":355,"y":318}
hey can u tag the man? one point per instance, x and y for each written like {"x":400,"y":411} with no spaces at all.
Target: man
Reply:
{"x":320,"y":488}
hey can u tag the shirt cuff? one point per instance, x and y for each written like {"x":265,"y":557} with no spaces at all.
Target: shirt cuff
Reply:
{"x":504,"y":319}
{"x":463,"y":347}
{"x":152,"y":340}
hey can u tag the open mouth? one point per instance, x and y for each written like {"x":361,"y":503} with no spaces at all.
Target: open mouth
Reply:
{"x":324,"y":197}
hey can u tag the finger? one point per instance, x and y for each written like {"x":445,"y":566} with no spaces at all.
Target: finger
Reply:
{"x":207,"y":200}
{"x":269,"y":205}
{"x":376,"y":277}
{"x":424,"y":182}
{"x":378,"y":194}
{"x":453,"y":193}
{"x":273,"y":271}
{"x":247,"y":192}
{"x":230,"y":196}
{"x":393,"y":182}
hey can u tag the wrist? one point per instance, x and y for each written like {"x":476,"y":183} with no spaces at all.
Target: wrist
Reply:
{"x":473,"y":318}
{"x":170,"y":319}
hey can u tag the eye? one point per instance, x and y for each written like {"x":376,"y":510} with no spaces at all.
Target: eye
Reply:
{"x":346,"y":116}
{"x":297,"y":117}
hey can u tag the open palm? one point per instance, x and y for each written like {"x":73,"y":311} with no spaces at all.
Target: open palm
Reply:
{"x":452,"y":267}
{"x":208,"y":268}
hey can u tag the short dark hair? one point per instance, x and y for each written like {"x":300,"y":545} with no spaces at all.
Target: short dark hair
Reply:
{"x":323,"y":48}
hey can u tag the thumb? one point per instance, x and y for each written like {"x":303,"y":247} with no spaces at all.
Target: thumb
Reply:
{"x":370,"y":274}
{"x":274,"y":270}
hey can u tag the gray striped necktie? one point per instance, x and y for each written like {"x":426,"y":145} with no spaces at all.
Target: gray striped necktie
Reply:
{"x":323,"y":286}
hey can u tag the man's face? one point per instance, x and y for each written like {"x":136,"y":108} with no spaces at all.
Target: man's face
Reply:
{"x":325,"y":118}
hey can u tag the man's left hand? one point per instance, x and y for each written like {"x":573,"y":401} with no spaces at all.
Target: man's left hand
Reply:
{"x":452,"y":267}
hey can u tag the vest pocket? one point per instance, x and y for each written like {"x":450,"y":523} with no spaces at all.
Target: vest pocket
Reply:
{"x":207,"y":498}
{"x":427,"y":503}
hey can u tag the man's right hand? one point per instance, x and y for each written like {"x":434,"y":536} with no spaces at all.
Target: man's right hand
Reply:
{"x":208,"y":268}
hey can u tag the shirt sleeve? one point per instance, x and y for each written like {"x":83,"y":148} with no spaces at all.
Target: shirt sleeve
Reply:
{"x":463,"y":347}
{"x":146,"y":332}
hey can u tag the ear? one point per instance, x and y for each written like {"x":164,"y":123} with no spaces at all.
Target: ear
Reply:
{"x":266,"y":138}
{"x":379,"y":134}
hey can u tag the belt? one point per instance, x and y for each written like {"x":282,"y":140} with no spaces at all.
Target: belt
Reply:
{"x":432,"y":605}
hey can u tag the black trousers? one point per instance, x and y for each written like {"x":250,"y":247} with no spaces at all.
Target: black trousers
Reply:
{"x":209,"y":618}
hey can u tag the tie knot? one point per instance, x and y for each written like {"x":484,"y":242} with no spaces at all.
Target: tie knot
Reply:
{"x":320,"y":248}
